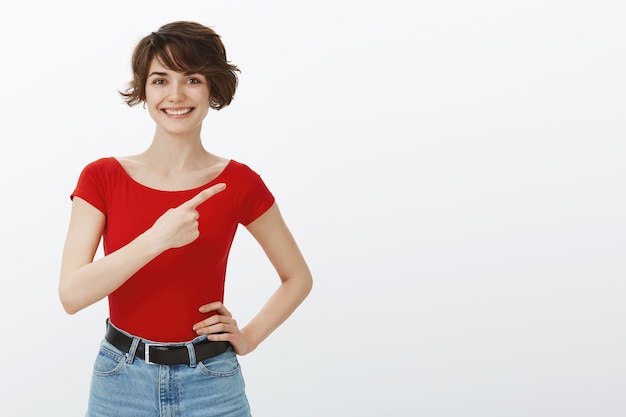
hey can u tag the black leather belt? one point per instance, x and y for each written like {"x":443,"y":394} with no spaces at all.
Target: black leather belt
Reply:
{"x":165,"y":354}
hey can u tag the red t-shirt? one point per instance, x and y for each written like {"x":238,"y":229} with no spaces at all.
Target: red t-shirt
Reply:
{"x":160,"y":302}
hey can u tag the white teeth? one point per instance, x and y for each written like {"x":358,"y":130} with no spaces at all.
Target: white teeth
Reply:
{"x":177,"y":112}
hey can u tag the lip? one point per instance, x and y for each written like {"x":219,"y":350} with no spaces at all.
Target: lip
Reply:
{"x":177,"y":112}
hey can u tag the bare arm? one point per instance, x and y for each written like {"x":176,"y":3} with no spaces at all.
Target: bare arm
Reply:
{"x":281,"y":249}
{"x":84,"y":282}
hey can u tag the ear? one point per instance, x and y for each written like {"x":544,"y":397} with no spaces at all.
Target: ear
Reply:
{"x":215,"y":102}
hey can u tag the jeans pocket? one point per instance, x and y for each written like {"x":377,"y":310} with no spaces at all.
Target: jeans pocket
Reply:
{"x":224,"y":365}
{"x":108,"y":362}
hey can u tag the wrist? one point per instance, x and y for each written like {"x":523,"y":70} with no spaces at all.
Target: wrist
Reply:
{"x":150,"y":243}
{"x":252,"y":340}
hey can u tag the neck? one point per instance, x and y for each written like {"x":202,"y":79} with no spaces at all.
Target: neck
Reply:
{"x":176,"y":152}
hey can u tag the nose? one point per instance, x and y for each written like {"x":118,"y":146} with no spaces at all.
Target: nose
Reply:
{"x":176,"y":92}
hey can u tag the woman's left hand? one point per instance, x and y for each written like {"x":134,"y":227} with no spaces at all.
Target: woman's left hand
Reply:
{"x":223,"y":327}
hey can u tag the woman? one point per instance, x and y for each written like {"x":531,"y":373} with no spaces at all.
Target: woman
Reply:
{"x":168,"y":217}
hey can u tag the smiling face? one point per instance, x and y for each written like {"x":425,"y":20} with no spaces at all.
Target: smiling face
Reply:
{"x":177,"y":102}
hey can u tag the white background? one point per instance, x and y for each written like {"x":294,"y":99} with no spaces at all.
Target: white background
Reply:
{"x":454,"y":172}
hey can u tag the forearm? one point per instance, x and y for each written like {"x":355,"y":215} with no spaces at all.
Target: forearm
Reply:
{"x":84,"y":286}
{"x":278,"y":308}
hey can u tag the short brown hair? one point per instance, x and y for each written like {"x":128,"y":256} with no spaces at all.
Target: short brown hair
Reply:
{"x":186,"y":47}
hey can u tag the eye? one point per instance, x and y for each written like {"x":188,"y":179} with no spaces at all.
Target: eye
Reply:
{"x":158,"y":81}
{"x":194,"y":81}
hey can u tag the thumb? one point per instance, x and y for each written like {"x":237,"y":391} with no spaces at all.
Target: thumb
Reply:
{"x":203,"y":196}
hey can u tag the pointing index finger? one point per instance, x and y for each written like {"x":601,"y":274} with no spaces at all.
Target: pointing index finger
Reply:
{"x":203,"y":196}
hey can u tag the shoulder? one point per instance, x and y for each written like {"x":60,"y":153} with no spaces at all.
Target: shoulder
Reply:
{"x":243,"y":175}
{"x":245,"y":179}
{"x":101,"y":171}
{"x":95,"y":182}
{"x":239,"y":168}
{"x":106,"y":164}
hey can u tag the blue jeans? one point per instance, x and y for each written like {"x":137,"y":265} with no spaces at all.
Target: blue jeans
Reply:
{"x":125,"y":386}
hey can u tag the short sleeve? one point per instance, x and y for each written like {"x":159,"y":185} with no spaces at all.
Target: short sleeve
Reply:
{"x":91,"y":186}
{"x":255,"y":198}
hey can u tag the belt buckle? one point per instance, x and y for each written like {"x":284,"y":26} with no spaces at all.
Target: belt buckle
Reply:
{"x":146,"y":353}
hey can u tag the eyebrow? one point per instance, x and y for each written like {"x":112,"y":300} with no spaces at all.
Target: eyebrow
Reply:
{"x":158,"y":74}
